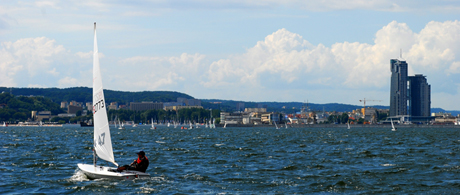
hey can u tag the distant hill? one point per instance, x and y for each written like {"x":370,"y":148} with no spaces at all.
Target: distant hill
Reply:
{"x":84,"y":94}
{"x":291,"y":107}
{"x":19,"y":108}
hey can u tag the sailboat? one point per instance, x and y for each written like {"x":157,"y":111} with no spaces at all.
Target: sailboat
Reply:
{"x":276,"y":125}
{"x":153,"y":126}
{"x":348,"y":125}
{"x":102,"y":141}
{"x":225,"y":125}
{"x":285,"y":124}
{"x":120,"y":125}
{"x":134,"y":122}
{"x":4,"y":124}
{"x":392,"y":126}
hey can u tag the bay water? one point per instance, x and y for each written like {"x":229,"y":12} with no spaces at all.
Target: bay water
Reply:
{"x":237,"y":160}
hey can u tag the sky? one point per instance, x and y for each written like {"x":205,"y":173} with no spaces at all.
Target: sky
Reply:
{"x":328,"y":51}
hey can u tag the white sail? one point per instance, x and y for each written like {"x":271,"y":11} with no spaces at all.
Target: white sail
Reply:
{"x":392,"y":126}
{"x":102,"y":140}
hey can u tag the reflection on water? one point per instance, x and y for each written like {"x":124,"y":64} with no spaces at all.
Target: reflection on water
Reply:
{"x":237,"y":160}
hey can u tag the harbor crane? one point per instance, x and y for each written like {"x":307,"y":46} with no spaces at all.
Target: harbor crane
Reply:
{"x":364,"y":101}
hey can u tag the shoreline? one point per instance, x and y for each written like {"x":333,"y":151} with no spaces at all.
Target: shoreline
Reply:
{"x":344,"y":126}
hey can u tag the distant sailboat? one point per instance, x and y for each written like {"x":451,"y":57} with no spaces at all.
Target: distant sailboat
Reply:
{"x":153,"y":126}
{"x":225,"y":125}
{"x":348,"y":125}
{"x":115,"y":121}
{"x":120,"y":125}
{"x":392,"y":126}
{"x":4,"y":124}
{"x":285,"y":124}
{"x":102,"y":140}
{"x":276,"y":125}
{"x":134,"y":122}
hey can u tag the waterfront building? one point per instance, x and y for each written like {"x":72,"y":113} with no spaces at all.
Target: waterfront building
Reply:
{"x":175,"y":108}
{"x":73,"y":109}
{"x":193,"y":102}
{"x":142,"y":106}
{"x":231,"y":118}
{"x":255,"y":110}
{"x":66,"y":115}
{"x":398,"y":88}
{"x":64,"y":104}
{"x":419,"y":96}
{"x":89,"y":106}
{"x":188,"y":102}
{"x":169,"y":104}
{"x":42,"y":115}
{"x":113,"y":106}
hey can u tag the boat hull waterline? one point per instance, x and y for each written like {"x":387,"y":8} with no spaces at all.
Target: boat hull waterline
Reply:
{"x":103,"y":172}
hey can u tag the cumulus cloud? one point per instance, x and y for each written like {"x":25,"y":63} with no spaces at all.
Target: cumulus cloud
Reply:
{"x":26,"y":61}
{"x":157,"y":73}
{"x":281,"y":67}
{"x":33,"y":53}
{"x":285,"y":59}
{"x":454,"y":68}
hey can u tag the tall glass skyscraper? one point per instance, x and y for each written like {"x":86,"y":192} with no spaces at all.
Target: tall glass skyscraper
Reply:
{"x":419,"y":96}
{"x":398,"y":89}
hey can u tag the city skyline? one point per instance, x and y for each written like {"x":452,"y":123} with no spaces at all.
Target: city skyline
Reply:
{"x":251,"y":51}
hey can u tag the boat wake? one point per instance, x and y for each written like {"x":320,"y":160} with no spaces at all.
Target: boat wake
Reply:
{"x":79,"y":176}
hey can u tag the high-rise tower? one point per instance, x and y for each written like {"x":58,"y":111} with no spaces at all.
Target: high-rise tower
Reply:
{"x":398,"y":89}
{"x":419,"y":96}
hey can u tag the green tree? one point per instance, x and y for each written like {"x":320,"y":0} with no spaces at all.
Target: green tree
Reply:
{"x":344,"y":118}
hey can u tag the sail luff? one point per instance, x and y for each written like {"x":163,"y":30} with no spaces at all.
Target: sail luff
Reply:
{"x":102,"y":139}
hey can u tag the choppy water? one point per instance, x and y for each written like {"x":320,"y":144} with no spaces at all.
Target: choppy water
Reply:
{"x":237,"y":160}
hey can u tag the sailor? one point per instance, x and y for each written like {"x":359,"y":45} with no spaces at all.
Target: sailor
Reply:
{"x":140,"y":164}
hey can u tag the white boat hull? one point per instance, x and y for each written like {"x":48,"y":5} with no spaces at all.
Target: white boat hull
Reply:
{"x":102,"y":172}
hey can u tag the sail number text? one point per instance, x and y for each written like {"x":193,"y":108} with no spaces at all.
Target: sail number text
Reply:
{"x":97,"y":106}
{"x":101,"y":139}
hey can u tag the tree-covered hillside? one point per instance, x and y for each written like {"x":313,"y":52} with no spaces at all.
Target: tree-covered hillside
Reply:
{"x":20,"y":107}
{"x":84,"y":94}
{"x":286,"y":107}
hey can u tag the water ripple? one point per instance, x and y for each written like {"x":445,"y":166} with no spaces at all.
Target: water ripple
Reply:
{"x":238,"y":160}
